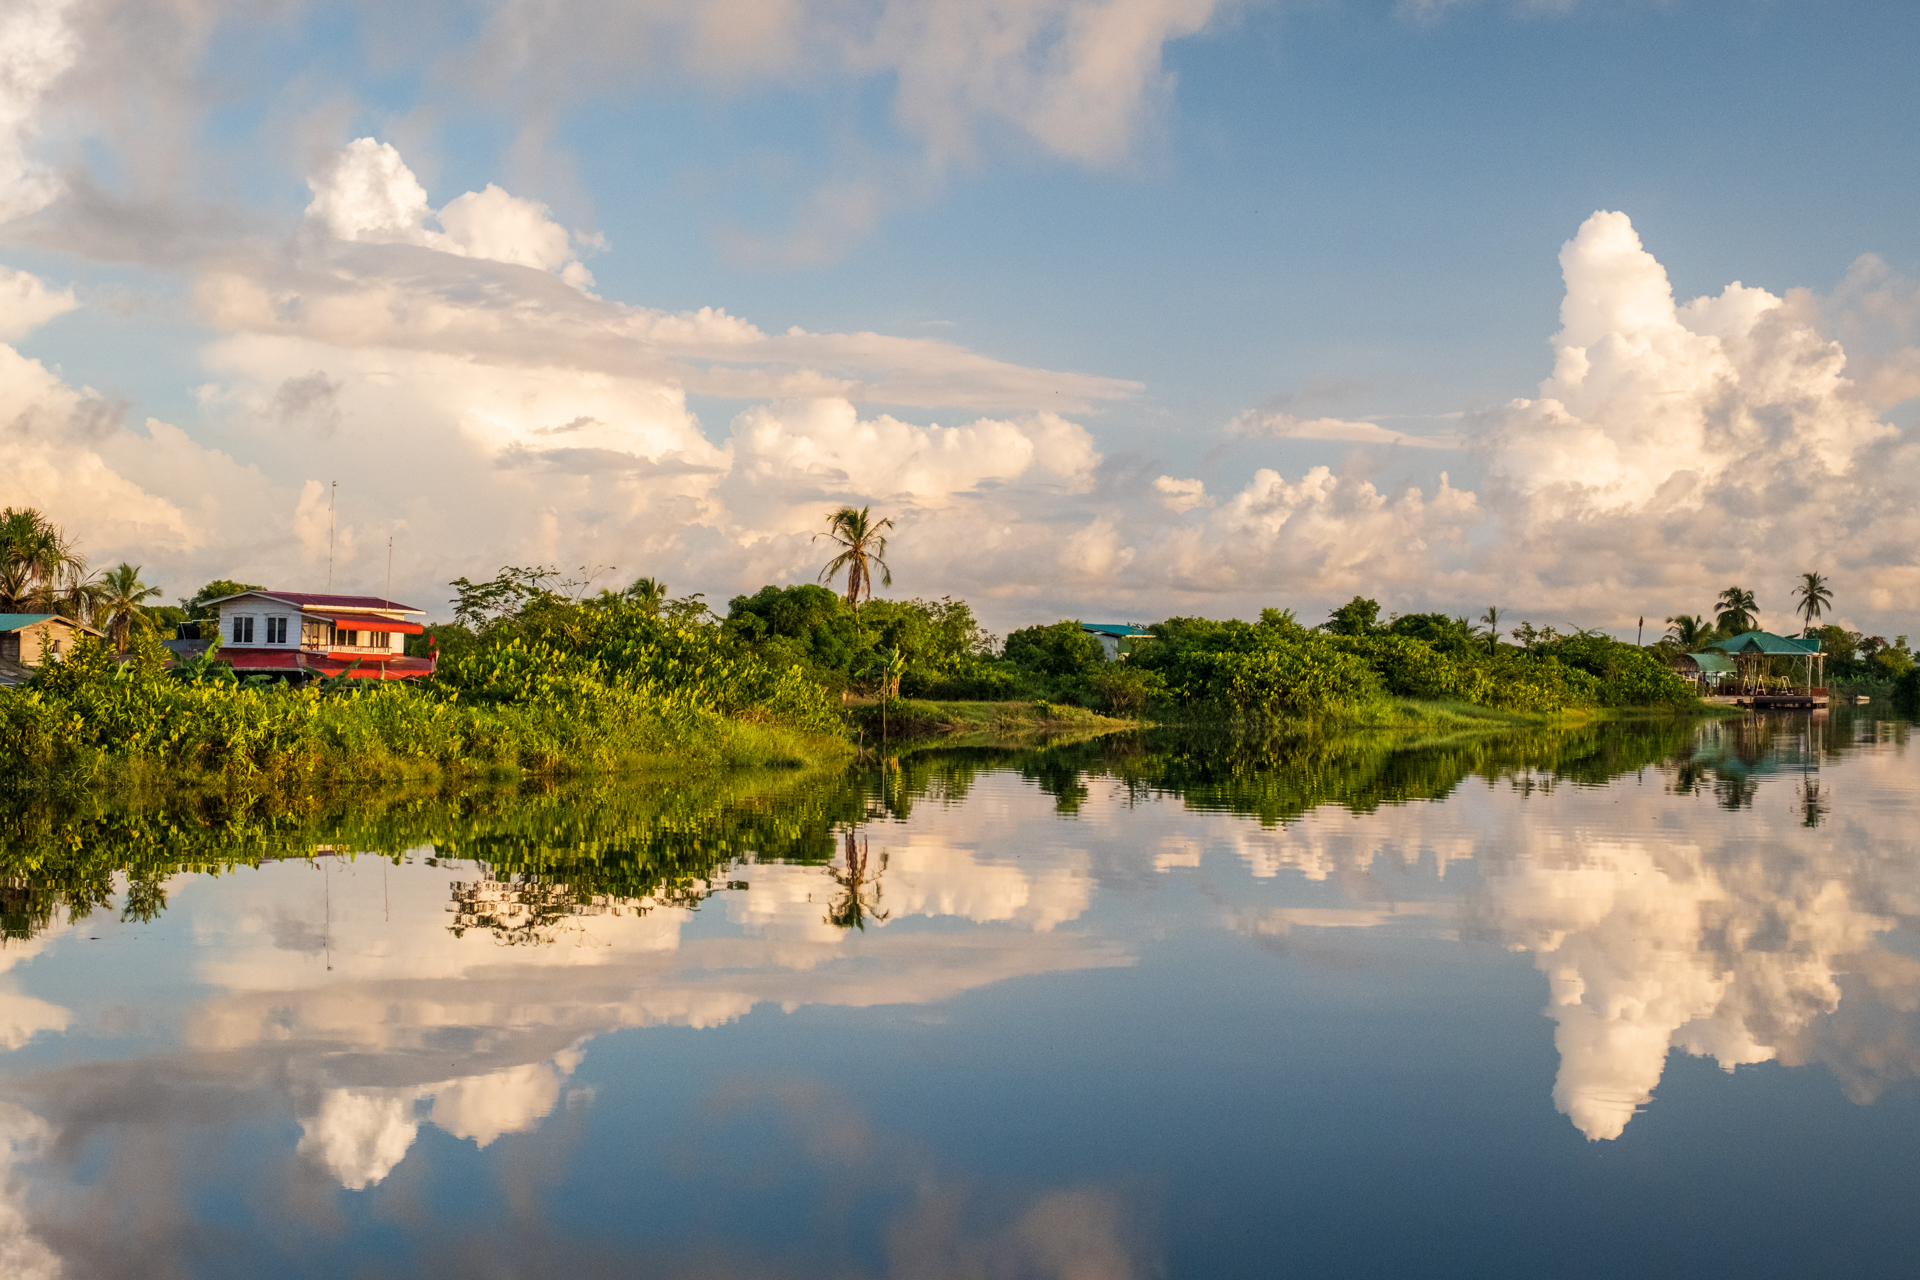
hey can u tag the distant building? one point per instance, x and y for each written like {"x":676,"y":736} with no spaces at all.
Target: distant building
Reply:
{"x":1115,"y":637}
{"x":1706,"y":670}
{"x":296,"y":633}
{"x":29,"y":639}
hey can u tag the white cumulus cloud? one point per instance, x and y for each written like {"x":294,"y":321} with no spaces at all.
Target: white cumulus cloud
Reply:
{"x":369,"y":194}
{"x":37,"y":46}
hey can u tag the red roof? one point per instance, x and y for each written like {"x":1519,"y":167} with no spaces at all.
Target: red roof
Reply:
{"x":308,"y":600}
{"x":370,"y":669}
{"x":396,"y":668}
{"x":366,"y":622}
{"x":260,"y":660}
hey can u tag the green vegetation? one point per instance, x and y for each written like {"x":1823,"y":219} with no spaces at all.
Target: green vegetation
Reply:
{"x":540,"y":676}
{"x":1906,"y":691}
{"x":1277,"y":669}
{"x":557,"y":688}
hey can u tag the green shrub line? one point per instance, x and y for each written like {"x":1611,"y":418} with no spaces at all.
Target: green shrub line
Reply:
{"x":549,"y":687}
{"x":599,"y":691}
{"x":1276,"y":669}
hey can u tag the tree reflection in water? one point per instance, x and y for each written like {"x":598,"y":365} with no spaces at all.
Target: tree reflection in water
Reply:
{"x":856,"y":897}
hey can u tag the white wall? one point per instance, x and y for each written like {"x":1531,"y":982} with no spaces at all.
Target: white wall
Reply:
{"x":261,"y":609}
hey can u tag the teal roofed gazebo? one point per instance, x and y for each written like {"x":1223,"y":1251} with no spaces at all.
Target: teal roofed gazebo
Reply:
{"x":1749,"y":647}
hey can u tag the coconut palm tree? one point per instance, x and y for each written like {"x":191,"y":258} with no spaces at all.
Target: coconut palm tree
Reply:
{"x":1815,"y":598}
{"x":32,"y":555}
{"x":649,"y":594}
{"x":122,"y":600}
{"x":1689,"y":631}
{"x":1738,"y":611}
{"x":1492,"y":618}
{"x":861,"y":545}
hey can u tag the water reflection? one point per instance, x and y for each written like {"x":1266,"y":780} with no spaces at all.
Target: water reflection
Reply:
{"x":1741,"y":891}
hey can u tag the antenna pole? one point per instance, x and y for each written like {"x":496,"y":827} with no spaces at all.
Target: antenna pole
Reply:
{"x":331,"y":493}
{"x":389,"y":600}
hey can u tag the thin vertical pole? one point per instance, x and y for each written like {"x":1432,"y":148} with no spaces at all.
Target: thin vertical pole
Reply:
{"x":389,"y":600}
{"x":331,"y":494}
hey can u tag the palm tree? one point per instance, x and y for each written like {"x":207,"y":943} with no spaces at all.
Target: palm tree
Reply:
{"x":856,"y":899}
{"x":1815,"y":597}
{"x":649,"y":594}
{"x":1492,"y":618}
{"x":861,"y":547}
{"x":32,"y":556}
{"x":1737,"y":610}
{"x":1689,"y":631}
{"x":122,"y":599}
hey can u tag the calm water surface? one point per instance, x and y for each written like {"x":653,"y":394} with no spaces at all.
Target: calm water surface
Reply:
{"x":1641,"y":1001}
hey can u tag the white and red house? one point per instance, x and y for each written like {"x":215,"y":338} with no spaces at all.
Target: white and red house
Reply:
{"x":295,"y":632}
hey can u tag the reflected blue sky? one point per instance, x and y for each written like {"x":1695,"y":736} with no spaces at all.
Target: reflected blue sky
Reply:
{"x":1533,"y":1028}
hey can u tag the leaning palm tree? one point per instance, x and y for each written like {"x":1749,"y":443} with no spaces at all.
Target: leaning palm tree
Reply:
{"x":1492,"y":618}
{"x":1738,"y":611}
{"x":861,"y":547}
{"x":1689,"y":631}
{"x":1815,"y":598}
{"x":122,"y":600}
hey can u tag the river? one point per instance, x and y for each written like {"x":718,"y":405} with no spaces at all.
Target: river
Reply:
{"x":1623,"y":1001}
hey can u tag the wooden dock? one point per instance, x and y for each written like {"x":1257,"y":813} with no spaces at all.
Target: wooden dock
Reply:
{"x":1782,"y":700}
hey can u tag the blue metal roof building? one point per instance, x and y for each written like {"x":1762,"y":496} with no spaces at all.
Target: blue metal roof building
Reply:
{"x":1115,"y":637}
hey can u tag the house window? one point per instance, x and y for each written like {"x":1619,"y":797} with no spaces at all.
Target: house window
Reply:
{"x":243,"y":630}
{"x":276,"y":630}
{"x":314,"y":634}
{"x":379,"y":640}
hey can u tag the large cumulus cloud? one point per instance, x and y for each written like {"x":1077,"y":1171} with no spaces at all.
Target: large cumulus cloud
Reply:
{"x":1674,"y":448}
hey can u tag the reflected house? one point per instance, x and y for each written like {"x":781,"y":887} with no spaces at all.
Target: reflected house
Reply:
{"x":304,"y":636}
{"x":29,"y":639}
{"x":1116,"y":638}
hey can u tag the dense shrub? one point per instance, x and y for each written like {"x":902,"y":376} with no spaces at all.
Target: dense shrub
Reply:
{"x":1276,"y":668}
{"x":837,"y":645}
{"x":1454,"y":635}
{"x":1250,"y":671}
{"x":1058,"y":650}
{"x":1906,"y":691}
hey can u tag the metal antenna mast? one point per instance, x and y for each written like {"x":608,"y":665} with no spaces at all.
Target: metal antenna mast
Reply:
{"x":331,"y":494}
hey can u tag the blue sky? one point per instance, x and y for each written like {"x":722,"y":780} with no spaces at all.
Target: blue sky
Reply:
{"x":1329,"y":211}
